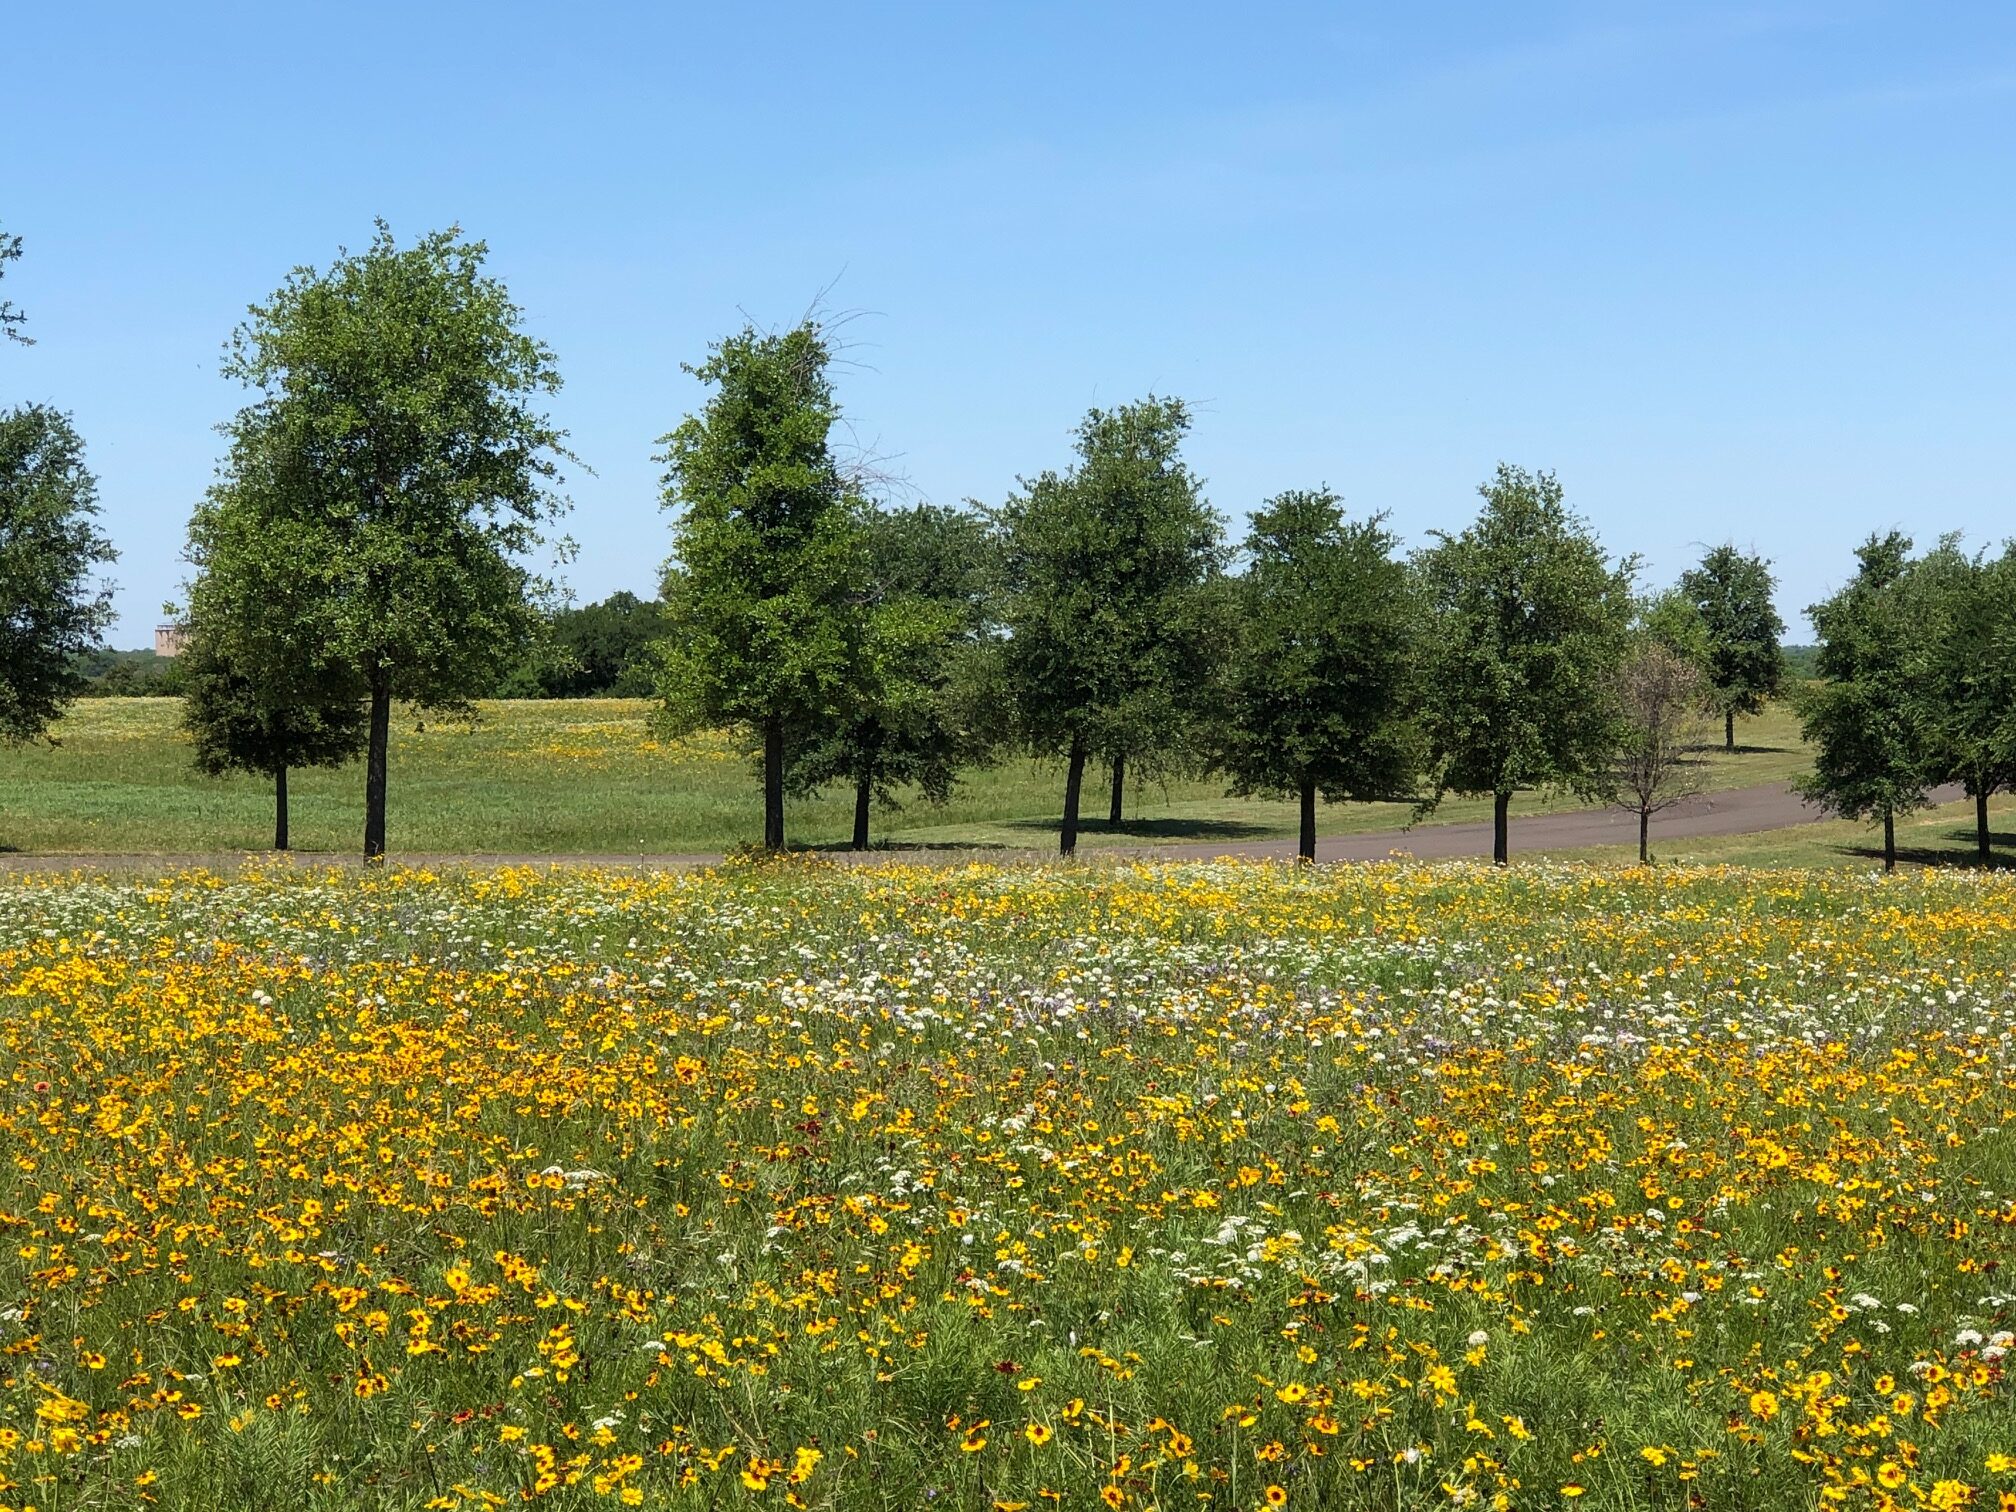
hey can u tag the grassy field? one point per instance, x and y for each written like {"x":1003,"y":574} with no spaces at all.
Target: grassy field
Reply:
{"x":1938,"y":836}
{"x":1220,"y":1186}
{"x":585,"y":777}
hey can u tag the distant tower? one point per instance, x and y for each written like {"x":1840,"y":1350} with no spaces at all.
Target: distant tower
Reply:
{"x":169,"y":640}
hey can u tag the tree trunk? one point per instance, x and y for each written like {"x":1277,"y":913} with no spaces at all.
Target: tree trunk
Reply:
{"x":1074,"y":781}
{"x":773,"y":785}
{"x":863,"y":790}
{"x":1981,"y":824}
{"x":1889,"y":841}
{"x":280,"y":808}
{"x":1307,"y":851}
{"x":374,"y":769}
{"x":1115,"y":815}
{"x":1644,"y":838}
{"x":1501,"y":847}
{"x":1728,"y":729}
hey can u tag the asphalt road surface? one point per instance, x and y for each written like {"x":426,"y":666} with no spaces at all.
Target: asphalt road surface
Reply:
{"x":1738,"y":811}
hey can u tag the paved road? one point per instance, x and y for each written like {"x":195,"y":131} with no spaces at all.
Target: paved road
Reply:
{"x":1739,"y":811}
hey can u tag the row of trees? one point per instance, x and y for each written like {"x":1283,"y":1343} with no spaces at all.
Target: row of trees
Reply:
{"x":1093,"y":617}
{"x":369,"y":535}
{"x":1917,"y":684}
{"x":602,"y":649}
{"x":598,"y":650}
{"x":366,"y":537}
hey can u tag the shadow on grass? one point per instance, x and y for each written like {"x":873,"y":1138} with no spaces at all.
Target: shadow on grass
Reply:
{"x":1700,"y":754}
{"x":846,"y":848}
{"x":2002,"y":839}
{"x":1151,"y":829}
{"x":1926,"y":855}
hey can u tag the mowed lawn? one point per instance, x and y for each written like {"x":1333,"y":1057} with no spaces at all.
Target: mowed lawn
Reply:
{"x":586,"y":777}
{"x":1942,"y":835}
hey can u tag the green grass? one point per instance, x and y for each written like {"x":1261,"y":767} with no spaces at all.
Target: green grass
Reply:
{"x":1941,"y":836}
{"x":1769,"y":750}
{"x":584,"y":777}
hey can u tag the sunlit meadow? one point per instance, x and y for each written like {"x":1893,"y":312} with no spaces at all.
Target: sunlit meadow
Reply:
{"x":1199,"y":1186}
{"x":588,"y":777}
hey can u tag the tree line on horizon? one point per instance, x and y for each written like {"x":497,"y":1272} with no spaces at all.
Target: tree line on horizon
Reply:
{"x":600,"y":649}
{"x":604,"y":648}
{"x":382,"y":493}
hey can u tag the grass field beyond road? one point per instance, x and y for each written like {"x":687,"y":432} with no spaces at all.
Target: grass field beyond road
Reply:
{"x":1939,"y":836}
{"x":1218,"y":1186}
{"x":585,"y":777}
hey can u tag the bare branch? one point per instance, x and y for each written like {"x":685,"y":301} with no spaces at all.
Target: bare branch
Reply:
{"x":1658,"y":765}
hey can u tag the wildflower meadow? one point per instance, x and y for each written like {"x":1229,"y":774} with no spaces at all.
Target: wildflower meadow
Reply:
{"x":1216,"y":1186}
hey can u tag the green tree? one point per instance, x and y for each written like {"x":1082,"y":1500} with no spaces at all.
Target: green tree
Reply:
{"x":1673,"y":620}
{"x":1731,"y":590}
{"x":765,"y":608}
{"x":1319,"y":692}
{"x":915,"y":718}
{"x":260,"y":693}
{"x":129,"y":674}
{"x":1528,"y":623}
{"x":403,"y":472}
{"x":1865,"y":717}
{"x":1802,"y":663}
{"x":599,"y":650}
{"x":50,"y":546}
{"x":11,"y":319}
{"x":238,"y":725}
{"x":1966,"y":606}
{"x":1108,"y":600}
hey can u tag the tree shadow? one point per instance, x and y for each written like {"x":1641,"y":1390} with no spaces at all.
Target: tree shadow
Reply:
{"x":1153,"y":829}
{"x":1999,"y":838}
{"x":846,"y":848}
{"x":1703,"y":752}
{"x":1964,"y":856}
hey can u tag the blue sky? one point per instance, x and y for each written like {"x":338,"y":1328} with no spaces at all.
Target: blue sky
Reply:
{"x":1734,"y":272}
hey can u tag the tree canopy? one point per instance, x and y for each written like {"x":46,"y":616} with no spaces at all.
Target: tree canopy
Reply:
{"x":1866,"y":717}
{"x":1318,"y":696}
{"x":1674,"y":621}
{"x":1107,"y":570}
{"x":1965,"y":607}
{"x":1731,"y":591}
{"x":598,"y":650}
{"x":51,"y":612}
{"x":1528,"y":622}
{"x":261,"y":693}
{"x":765,"y":610}
{"x":238,"y":725}
{"x":397,"y":466}
{"x":916,"y":693}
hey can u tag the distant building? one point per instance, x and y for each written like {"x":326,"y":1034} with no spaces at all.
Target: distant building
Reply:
{"x":169,"y":640}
